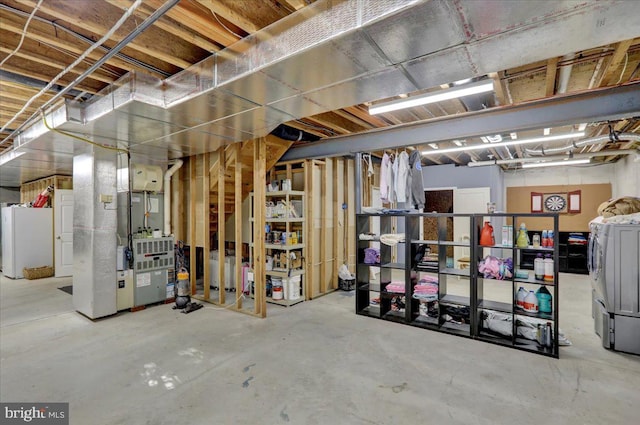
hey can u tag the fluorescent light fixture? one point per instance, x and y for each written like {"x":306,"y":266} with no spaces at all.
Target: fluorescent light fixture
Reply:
{"x":508,"y":143}
{"x":555,"y":163}
{"x":514,"y":135}
{"x":546,"y":131}
{"x":433,"y":97}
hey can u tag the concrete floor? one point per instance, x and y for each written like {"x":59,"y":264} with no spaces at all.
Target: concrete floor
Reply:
{"x":315,"y":363}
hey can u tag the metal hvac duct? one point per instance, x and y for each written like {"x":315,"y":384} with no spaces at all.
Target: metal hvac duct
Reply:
{"x":330,"y":55}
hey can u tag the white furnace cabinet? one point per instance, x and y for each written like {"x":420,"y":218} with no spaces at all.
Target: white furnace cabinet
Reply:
{"x":27,"y":239}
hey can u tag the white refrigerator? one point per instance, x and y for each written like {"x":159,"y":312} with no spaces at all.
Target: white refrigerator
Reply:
{"x":27,"y":239}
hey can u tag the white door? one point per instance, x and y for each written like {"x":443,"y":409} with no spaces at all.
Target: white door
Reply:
{"x":63,"y":231}
{"x":467,"y":201}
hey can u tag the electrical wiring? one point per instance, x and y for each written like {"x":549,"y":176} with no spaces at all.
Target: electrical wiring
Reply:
{"x":82,"y":139}
{"x":87,"y":40}
{"x":86,"y":53}
{"x":626,"y":61}
{"x":225,"y":27}
{"x":24,"y":33}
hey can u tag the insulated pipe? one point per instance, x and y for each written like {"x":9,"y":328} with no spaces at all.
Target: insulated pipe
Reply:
{"x":551,"y":158}
{"x":581,"y":143}
{"x":167,"y":195}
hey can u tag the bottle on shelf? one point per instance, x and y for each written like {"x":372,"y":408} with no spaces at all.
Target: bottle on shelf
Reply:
{"x":520,"y":296}
{"x":544,"y":300}
{"x":531,"y":303}
{"x":548,"y":335}
{"x":536,"y":240}
{"x":538,"y":267}
{"x":550,"y":239}
{"x":548,"y":268}
{"x":523,"y":237}
{"x":545,"y":239}
{"x":486,"y":235}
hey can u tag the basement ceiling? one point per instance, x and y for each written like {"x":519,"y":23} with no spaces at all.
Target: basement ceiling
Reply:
{"x":210,"y":73}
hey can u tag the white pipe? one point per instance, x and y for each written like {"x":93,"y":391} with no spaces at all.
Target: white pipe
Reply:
{"x":167,"y":195}
{"x":565,"y":74}
{"x":555,"y":157}
{"x":581,"y":143}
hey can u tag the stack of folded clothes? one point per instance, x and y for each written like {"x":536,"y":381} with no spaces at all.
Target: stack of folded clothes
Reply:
{"x":396,"y":287}
{"x":426,"y":289}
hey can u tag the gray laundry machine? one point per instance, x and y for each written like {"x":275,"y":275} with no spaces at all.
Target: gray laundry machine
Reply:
{"x":614,"y":255}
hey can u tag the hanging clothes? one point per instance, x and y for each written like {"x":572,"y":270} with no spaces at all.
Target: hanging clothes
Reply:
{"x":401,"y":176}
{"x":384,"y":178}
{"x":391,"y":181}
{"x":416,"y":188}
{"x":394,"y":173}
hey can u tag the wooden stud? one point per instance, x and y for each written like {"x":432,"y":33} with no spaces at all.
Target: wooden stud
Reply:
{"x":337,"y":208}
{"x":309,"y":229}
{"x":221,"y":225}
{"x":206,"y":224}
{"x":259,"y":199}
{"x":192,"y":223}
{"x":323,"y":229}
{"x":238,"y":224}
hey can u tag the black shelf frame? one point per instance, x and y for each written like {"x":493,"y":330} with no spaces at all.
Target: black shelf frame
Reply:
{"x":471,"y":281}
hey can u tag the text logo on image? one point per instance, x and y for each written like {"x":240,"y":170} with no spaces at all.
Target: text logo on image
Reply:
{"x":34,"y":413}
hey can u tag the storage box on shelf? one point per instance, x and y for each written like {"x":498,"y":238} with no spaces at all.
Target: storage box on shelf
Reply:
{"x":285,"y":247}
{"x":461,"y":284}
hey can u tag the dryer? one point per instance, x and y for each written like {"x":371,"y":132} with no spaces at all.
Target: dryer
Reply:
{"x":614,"y":251}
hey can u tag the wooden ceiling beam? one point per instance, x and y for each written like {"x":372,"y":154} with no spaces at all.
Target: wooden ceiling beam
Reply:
{"x":362,"y":123}
{"x":200,"y":19}
{"x":172,"y":27}
{"x":96,"y":28}
{"x":225,"y":12}
{"x":301,"y":126}
{"x":50,"y":40}
{"x":610,"y":74}
{"x":550,"y":79}
{"x":294,"y":4}
{"x":46,"y":79}
{"x":359,"y":112}
{"x":499,"y":89}
{"x":48,"y":61}
{"x":14,"y":108}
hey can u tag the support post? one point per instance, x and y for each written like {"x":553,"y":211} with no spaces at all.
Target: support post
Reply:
{"x":221,"y":224}
{"x":192,"y":224}
{"x":207,"y":224}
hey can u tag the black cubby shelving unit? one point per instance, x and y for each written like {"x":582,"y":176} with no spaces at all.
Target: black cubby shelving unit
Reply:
{"x":465,"y":298}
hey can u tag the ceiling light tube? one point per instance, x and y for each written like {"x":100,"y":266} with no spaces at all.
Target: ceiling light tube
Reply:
{"x":508,"y":143}
{"x":555,"y":163}
{"x":433,"y":97}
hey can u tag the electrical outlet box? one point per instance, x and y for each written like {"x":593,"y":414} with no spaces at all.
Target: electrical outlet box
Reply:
{"x":106,"y":199}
